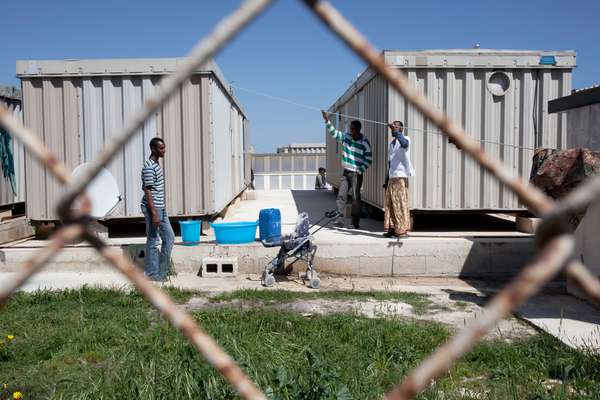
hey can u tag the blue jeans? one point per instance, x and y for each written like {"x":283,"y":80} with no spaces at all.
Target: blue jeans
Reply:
{"x":154,"y":262}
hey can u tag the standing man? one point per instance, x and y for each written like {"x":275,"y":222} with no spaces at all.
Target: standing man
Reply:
{"x":157,"y":221}
{"x":356,"y":158}
{"x":397,"y":216}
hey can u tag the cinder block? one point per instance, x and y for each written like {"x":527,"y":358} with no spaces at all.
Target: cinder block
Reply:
{"x":409,"y":266}
{"x":338,"y":266}
{"x":376,"y":266}
{"x":219,"y":267}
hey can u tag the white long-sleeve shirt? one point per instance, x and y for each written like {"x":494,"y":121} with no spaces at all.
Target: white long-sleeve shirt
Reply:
{"x":399,"y":159}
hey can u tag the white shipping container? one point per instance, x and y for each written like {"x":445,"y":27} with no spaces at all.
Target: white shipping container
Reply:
{"x":77,"y":105}
{"x":499,"y":96}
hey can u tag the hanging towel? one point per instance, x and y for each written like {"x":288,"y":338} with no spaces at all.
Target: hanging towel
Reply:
{"x":6,"y":159}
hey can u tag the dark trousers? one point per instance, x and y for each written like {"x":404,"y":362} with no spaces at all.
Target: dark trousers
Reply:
{"x":351,"y":182}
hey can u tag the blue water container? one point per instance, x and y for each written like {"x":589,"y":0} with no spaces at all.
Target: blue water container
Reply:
{"x":269,"y":224}
{"x":190,"y":232}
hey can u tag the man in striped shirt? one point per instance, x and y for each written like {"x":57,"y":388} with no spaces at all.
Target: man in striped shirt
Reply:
{"x":154,"y":210}
{"x":356,"y":158}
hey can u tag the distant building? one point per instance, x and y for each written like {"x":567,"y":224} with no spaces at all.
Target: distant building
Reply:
{"x":303,"y":148}
{"x":294,"y":166}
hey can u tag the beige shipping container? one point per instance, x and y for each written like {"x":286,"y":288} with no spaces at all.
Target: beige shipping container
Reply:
{"x":76,"y":105}
{"x":10,"y":98}
{"x":499,"y":96}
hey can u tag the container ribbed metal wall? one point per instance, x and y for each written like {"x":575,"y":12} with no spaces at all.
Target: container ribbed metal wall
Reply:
{"x":509,"y":123}
{"x":11,"y":99}
{"x":77,"y":105}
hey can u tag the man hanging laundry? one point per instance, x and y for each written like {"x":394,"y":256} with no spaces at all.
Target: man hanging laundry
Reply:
{"x":397,"y":216}
{"x":356,"y":158}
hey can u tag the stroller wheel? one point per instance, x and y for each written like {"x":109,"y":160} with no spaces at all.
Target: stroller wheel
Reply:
{"x":268,"y":280}
{"x":315,"y":282}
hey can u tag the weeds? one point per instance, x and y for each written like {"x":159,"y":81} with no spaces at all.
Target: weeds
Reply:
{"x":420,"y":302}
{"x":103,"y":344}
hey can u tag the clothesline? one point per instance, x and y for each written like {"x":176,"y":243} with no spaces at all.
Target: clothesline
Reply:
{"x":408,"y":128}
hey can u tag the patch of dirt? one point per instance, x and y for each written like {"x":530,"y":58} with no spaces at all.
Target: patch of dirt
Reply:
{"x":443,"y":310}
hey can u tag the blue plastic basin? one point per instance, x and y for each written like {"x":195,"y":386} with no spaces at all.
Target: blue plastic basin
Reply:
{"x":234,"y":232}
{"x":190,"y":232}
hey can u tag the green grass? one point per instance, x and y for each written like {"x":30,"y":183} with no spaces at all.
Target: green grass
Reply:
{"x":420,"y":302}
{"x":103,"y":344}
{"x":181,"y":296}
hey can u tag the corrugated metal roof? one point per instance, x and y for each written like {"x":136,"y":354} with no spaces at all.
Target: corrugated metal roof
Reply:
{"x":479,"y":58}
{"x":578,"y":98}
{"x":463,"y":59}
{"x":585,"y":89}
{"x":116,"y":67}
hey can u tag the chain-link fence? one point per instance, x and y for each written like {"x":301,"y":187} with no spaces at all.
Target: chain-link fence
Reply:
{"x":555,"y":238}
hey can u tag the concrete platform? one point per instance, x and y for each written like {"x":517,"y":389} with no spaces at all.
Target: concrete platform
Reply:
{"x":569,"y":319}
{"x":471,"y":254}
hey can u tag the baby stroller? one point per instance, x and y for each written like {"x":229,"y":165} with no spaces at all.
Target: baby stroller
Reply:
{"x":299,"y":246}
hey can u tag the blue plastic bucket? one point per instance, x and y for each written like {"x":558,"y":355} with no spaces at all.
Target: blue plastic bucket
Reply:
{"x":190,"y":232}
{"x":234,"y":232}
{"x":269,"y":222}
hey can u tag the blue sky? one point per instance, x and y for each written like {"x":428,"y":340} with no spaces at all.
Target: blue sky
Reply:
{"x":287,"y":52}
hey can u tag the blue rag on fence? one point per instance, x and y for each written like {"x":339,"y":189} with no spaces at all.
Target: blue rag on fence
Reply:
{"x":7,"y":160}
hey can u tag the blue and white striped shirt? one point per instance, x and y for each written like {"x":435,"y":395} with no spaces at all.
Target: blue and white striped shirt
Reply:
{"x":153,"y":179}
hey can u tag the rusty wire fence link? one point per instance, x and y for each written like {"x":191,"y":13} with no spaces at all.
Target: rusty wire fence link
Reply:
{"x":555,"y":237}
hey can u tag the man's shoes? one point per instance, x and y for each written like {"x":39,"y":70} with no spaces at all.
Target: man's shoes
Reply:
{"x":356,"y":223}
{"x":156,"y":278}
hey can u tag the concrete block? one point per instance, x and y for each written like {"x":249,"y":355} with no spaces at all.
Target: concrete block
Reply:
{"x":526,"y":224}
{"x":441,"y":265}
{"x":188,"y":259}
{"x":219,"y":267}
{"x":508,"y":256}
{"x":338,"y":266}
{"x":409,"y":266}
{"x":71,"y":259}
{"x":15,"y":229}
{"x":375,"y":266}
{"x":331,"y":250}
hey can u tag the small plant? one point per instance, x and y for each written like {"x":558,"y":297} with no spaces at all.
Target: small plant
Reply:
{"x":8,"y":393}
{"x":7,"y":348}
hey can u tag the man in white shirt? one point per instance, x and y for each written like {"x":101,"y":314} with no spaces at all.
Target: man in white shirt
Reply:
{"x":397,"y":215}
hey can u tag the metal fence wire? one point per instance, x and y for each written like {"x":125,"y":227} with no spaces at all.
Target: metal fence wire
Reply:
{"x":554,"y":236}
